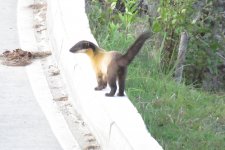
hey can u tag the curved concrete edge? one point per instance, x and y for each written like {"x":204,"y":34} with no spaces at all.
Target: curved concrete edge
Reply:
{"x":114,"y":121}
{"x":38,"y":80}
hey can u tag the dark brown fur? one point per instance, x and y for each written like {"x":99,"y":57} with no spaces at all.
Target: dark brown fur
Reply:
{"x":110,"y":66}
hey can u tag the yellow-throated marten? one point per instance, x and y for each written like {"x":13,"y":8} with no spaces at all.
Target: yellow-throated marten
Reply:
{"x":110,"y":66}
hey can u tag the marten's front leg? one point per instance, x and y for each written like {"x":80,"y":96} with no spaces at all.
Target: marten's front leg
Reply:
{"x":102,"y":83}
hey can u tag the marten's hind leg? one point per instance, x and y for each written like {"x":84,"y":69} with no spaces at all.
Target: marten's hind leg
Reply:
{"x":111,"y":78}
{"x":121,"y":81}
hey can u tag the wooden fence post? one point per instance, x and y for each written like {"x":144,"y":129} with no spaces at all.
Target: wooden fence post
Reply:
{"x":181,"y":57}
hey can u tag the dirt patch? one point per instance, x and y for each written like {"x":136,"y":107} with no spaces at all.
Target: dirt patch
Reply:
{"x":19,"y":57}
{"x":38,"y":6}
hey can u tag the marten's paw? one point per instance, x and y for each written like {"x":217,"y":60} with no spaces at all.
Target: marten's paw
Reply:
{"x":109,"y":94}
{"x":98,"y":88}
{"x":120,"y":94}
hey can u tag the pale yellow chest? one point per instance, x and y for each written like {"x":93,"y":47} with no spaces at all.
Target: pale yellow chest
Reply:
{"x":101,"y":60}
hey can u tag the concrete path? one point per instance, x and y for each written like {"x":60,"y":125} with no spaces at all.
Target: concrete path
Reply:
{"x":23,"y":125}
{"x":22,"y":122}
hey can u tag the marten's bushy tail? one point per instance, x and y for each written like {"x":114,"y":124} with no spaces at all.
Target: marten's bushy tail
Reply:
{"x":134,"y":49}
{"x":83,"y":45}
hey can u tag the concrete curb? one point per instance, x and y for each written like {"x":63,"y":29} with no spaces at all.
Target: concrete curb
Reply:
{"x":38,"y":80}
{"x":114,"y":121}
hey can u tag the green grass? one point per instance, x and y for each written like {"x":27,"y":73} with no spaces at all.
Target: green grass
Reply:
{"x":179,"y":117}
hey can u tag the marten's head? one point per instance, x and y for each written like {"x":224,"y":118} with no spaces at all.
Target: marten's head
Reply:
{"x":83,"y":45}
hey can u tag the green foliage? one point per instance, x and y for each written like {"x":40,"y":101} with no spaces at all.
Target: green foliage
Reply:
{"x":205,"y":45}
{"x":178,"y":116}
{"x":173,"y":17}
{"x":129,"y":15}
{"x":202,"y":20}
{"x":113,"y":20}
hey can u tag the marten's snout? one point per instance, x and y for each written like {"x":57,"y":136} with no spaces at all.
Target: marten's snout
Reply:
{"x":83,"y":45}
{"x":74,"y":49}
{"x":78,"y":46}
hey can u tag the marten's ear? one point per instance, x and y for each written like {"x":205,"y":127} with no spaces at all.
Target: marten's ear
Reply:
{"x":83,"y":45}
